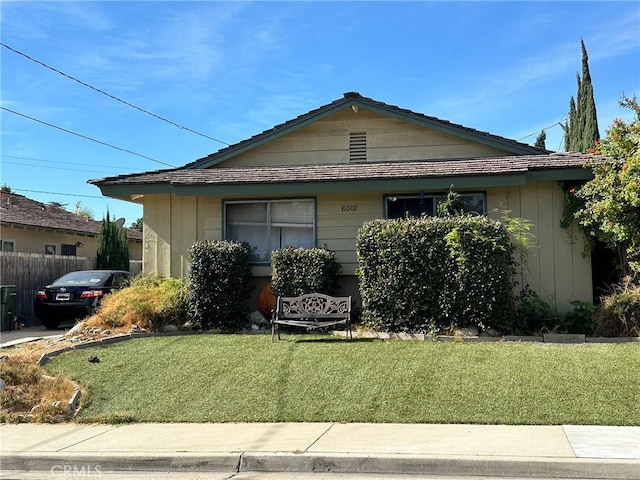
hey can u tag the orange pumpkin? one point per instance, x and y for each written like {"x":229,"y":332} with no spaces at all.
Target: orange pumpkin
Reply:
{"x":267,"y":301}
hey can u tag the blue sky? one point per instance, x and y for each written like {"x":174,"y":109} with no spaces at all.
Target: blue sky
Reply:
{"x":230,"y":70}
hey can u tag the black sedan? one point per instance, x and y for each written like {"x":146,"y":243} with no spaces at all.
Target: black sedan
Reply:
{"x":75,"y":295}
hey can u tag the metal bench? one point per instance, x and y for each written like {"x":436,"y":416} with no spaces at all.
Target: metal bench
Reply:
{"x":312,"y":311}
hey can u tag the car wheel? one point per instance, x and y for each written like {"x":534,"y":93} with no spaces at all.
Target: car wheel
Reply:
{"x":51,"y":324}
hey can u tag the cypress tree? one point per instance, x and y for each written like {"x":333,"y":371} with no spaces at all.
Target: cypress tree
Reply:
{"x":541,"y":140}
{"x":581,"y":130}
{"x":112,"y":251}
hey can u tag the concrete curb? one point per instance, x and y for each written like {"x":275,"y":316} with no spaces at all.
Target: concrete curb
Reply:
{"x":120,"y":462}
{"x":246,"y":462}
{"x":451,"y":466}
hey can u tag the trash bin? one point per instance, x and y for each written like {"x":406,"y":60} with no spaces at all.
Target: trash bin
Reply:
{"x":8,"y":307}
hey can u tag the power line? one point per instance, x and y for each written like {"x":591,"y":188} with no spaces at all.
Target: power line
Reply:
{"x":559,"y":122}
{"x":52,"y":168}
{"x":113,"y":97}
{"x":59,"y":162}
{"x":86,"y":137}
{"x":56,"y":193}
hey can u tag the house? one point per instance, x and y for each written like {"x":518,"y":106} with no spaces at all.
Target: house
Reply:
{"x":28,"y":226}
{"x":314,"y":180}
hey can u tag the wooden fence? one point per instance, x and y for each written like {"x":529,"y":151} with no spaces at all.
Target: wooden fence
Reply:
{"x":31,"y":271}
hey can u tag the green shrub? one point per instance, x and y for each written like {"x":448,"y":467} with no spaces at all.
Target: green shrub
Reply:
{"x":420,"y":274}
{"x":219,"y":276}
{"x":580,"y":319}
{"x":619,"y":315}
{"x":151,"y":302}
{"x":296,"y":271}
{"x":536,"y":316}
{"x":533,"y":314}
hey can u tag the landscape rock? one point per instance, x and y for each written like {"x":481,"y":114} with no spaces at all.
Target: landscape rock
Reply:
{"x":77,"y":328}
{"x":169,"y":328}
{"x":257,"y":318}
{"x":470,"y":331}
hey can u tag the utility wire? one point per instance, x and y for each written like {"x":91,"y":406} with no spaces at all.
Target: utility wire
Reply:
{"x":86,"y":137}
{"x":55,"y":193}
{"x":559,"y":122}
{"x":113,"y":97}
{"x":83,"y":164}
{"x":22,"y":164}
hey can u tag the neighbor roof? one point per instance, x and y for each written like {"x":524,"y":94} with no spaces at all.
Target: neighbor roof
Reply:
{"x":20,"y":211}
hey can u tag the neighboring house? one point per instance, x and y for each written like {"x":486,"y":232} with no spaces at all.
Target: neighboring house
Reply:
{"x":28,"y":226}
{"x":314,"y":180}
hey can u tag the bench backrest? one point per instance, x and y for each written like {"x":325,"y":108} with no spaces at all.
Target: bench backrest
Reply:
{"x":314,"y":305}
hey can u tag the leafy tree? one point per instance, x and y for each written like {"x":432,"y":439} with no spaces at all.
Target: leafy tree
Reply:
{"x":5,"y":188}
{"x":83,"y":211}
{"x":611,"y":210}
{"x":113,"y":251}
{"x":541,"y":139}
{"x":137,"y":225}
{"x":581,"y":130}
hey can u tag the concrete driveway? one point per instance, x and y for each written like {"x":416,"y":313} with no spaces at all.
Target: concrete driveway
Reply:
{"x":29,"y":334}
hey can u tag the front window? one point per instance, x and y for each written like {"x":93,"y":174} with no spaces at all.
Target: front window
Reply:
{"x":416,"y":205}
{"x":49,"y":249}
{"x":271,"y":225}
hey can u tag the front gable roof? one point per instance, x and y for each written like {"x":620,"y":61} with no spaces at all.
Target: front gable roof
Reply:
{"x":518,"y":164}
{"x":356,"y":101}
{"x":22,"y":212}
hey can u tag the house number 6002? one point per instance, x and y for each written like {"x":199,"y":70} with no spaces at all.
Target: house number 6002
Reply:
{"x":349,"y":208}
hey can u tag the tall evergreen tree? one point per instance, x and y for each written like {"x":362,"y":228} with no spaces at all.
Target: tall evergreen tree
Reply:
{"x":541,"y":140}
{"x":113,"y":251}
{"x":581,"y":130}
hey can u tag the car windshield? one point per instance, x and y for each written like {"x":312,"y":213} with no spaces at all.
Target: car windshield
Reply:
{"x":82,"y":278}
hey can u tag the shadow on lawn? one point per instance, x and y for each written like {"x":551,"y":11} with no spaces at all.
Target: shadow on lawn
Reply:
{"x":335,"y":340}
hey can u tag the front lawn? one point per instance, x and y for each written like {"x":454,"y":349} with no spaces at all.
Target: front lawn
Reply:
{"x":236,"y":378}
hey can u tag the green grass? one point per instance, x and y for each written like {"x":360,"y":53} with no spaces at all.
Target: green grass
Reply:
{"x":235,"y":378}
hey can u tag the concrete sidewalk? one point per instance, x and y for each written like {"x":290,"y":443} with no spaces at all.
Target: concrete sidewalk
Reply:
{"x":583,"y":452}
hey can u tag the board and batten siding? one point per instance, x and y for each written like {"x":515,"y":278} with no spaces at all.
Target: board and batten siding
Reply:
{"x":339,"y":217}
{"x":556,"y":266}
{"x":387,"y":139}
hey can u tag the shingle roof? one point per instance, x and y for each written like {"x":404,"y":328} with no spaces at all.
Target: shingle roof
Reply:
{"x":483,"y":166}
{"x":18,"y":210}
{"x":355,"y":99}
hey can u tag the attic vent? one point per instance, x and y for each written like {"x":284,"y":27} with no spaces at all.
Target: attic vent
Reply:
{"x":358,"y":147}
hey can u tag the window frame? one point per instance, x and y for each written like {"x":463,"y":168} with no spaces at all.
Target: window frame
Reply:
{"x":433,"y":196}
{"x":4,"y":241}
{"x":48,"y":246}
{"x":269,"y":202}
{"x":73,"y":246}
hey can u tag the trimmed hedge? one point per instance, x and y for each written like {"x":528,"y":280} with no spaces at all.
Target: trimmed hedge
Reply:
{"x":296,"y":271}
{"x":417,"y":275}
{"x":219,"y":276}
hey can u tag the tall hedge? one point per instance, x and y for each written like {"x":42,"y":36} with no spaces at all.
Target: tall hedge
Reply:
{"x":417,"y":274}
{"x":219,"y":276}
{"x":296,"y":271}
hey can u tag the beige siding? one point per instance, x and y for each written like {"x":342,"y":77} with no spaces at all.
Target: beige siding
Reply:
{"x":556,"y":266}
{"x":34,"y":241}
{"x":388,"y":139}
{"x":338,"y":220}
